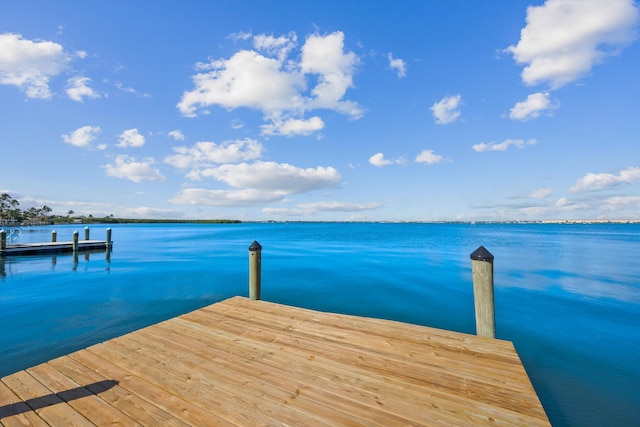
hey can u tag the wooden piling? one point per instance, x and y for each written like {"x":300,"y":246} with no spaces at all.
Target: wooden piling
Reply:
{"x":255,"y":267}
{"x":108,"y":237}
{"x":54,"y":236}
{"x":482,"y":273}
{"x":75,"y":241}
{"x":3,"y":239}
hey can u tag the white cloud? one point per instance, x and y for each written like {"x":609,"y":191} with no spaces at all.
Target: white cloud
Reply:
{"x":278,"y":86}
{"x":204,"y":153}
{"x":247,"y":79}
{"x":274,"y":177}
{"x":601,"y":181}
{"x":226,"y":198}
{"x":276,"y":46}
{"x":398,"y":64}
{"x":334,"y":206}
{"x":291,"y":127}
{"x":429,"y":157}
{"x":305,"y":209}
{"x":176,"y":135}
{"x":531,"y":107}
{"x":619,"y":203}
{"x":30,"y":64}
{"x":77,"y":88}
{"x":379,"y":160}
{"x":240,"y":36}
{"x":447,"y":109}
{"x":82,"y":137}
{"x":137,"y":171}
{"x":540,"y":193}
{"x":147,"y":212}
{"x":563,"y":39}
{"x":503,"y":146}
{"x":324,"y":57}
{"x":131,"y":138}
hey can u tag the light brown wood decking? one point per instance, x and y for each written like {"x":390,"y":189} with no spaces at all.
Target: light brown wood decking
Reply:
{"x":255,"y":363}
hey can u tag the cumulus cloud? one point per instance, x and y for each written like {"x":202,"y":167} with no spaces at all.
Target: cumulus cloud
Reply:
{"x":601,"y":181}
{"x":276,"y":46}
{"x":398,"y":64}
{"x":503,"y":146}
{"x":30,"y":65}
{"x":379,"y":160}
{"x":131,"y":138}
{"x":429,"y":157}
{"x":563,"y":39}
{"x":271,"y":176}
{"x":531,"y":107}
{"x":291,"y":127}
{"x":258,"y":183}
{"x":78,"y":87}
{"x":447,"y":110}
{"x":204,"y":153}
{"x":266,"y":80}
{"x":82,"y":137}
{"x":176,"y":135}
{"x":130,"y":168}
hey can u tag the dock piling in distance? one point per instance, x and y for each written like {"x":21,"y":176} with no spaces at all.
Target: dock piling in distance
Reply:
{"x":108,"y":237}
{"x":3,"y":239}
{"x":86,"y":233}
{"x":54,"y":236}
{"x":75,"y":241}
{"x":482,"y":274}
{"x":255,"y":270}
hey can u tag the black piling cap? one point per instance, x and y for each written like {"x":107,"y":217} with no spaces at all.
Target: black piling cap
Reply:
{"x":482,"y":254}
{"x":255,"y":246}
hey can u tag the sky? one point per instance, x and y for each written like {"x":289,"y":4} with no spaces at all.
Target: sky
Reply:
{"x":286,"y":110}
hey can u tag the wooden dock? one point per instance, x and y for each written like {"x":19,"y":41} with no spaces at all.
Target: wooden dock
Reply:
{"x":53,"y":247}
{"x":254,"y":363}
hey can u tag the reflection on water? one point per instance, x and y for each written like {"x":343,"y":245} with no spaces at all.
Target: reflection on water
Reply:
{"x":29,"y":264}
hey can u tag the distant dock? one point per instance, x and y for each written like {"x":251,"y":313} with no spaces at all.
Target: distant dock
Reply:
{"x":54,"y":247}
{"x":241,"y":362}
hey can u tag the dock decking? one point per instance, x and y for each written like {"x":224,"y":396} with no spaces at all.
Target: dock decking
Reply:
{"x":255,"y":363}
{"x":53,"y":247}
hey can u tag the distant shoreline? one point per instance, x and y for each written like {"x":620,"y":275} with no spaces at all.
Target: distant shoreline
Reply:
{"x":78,"y":221}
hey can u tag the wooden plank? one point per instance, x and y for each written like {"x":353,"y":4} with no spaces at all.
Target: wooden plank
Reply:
{"x":169,"y":401}
{"x":134,"y":406}
{"x":331,"y":385}
{"x":80,"y":398}
{"x":241,"y":362}
{"x":390,"y":375}
{"x":47,"y":405}
{"x":15,"y":412}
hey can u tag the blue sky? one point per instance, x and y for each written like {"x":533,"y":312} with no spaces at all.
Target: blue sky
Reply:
{"x":322,"y":110}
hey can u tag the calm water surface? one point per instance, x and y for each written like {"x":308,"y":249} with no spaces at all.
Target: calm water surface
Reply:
{"x":568,"y":296}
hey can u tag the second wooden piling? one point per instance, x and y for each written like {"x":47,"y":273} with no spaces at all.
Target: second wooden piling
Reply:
{"x":482,"y":273}
{"x":255,"y":267}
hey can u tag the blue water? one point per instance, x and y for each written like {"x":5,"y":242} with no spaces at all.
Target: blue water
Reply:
{"x":568,"y":296}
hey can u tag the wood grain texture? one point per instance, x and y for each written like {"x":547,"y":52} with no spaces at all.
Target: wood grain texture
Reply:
{"x":242,"y":362}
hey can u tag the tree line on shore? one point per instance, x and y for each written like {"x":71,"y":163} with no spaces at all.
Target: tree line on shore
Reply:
{"x":11,"y":214}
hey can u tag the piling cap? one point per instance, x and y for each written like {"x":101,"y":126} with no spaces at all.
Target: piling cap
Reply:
{"x":255,"y":246}
{"x":482,"y":254}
